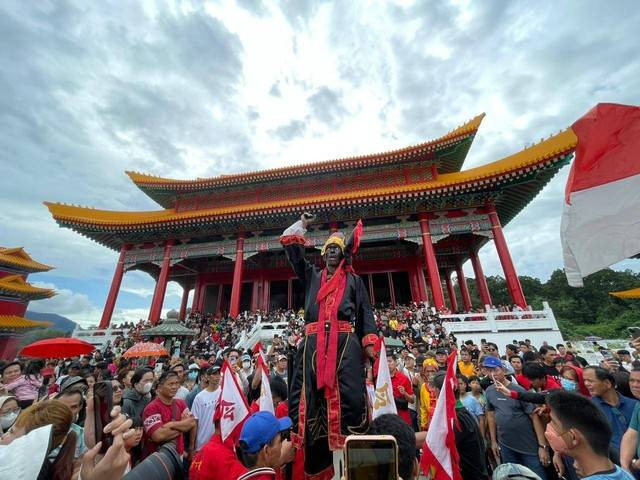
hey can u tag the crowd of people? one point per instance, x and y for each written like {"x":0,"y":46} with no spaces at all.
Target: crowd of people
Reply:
{"x":538,"y":409}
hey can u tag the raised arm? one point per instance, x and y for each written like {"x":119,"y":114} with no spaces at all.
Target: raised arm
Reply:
{"x":293,"y":240}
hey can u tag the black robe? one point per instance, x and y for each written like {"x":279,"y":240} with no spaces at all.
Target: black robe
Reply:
{"x":307,"y":405}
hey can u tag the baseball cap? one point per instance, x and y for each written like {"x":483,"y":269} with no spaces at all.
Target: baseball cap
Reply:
{"x":492,"y":362}
{"x":282,"y":357}
{"x":411,"y":355}
{"x":246,"y":358}
{"x":261,"y":428}
{"x":441,"y":351}
{"x":213,"y":369}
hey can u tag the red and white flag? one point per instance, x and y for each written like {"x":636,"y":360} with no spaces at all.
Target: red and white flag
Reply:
{"x":601,"y":220}
{"x":383,"y":401}
{"x":258,"y":348}
{"x":265,"y":402}
{"x":440,"y":459}
{"x":232,"y":402}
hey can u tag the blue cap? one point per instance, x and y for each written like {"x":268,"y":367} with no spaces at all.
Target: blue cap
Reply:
{"x":492,"y":362}
{"x":260,"y":428}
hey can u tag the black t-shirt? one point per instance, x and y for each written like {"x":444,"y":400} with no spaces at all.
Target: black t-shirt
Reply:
{"x":470,"y":446}
{"x":551,"y":370}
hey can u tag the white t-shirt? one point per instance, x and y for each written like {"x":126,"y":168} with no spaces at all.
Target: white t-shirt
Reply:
{"x":203,"y":408}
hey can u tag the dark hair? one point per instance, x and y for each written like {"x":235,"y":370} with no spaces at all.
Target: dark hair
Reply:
{"x":390,"y":424}
{"x":512,"y":347}
{"x":491,"y":344}
{"x":33,"y":368}
{"x":534,"y":371}
{"x":473,"y":378}
{"x":469,"y":342}
{"x":164,"y":376}
{"x":575,"y":411}
{"x":602,"y":375}
{"x":464,"y":378}
{"x":544,"y":350}
{"x":622,"y":383}
{"x":559,"y":345}
{"x":250,"y":460}
{"x":514,"y":356}
{"x":278,"y":388}
{"x":138,"y":374}
{"x":529,"y":357}
{"x":623,"y":352}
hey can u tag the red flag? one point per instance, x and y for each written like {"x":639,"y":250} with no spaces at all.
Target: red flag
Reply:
{"x":601,"y":219}
{"x":234,"y":408}
{"x":440,"y":459}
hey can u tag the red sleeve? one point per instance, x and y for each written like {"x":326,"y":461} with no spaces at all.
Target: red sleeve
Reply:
{"x":152,"y":418}
{"x":254,"y":407}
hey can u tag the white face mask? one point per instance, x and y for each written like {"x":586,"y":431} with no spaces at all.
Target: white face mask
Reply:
{"x":7,"y":420}
{"x":146,"y":388}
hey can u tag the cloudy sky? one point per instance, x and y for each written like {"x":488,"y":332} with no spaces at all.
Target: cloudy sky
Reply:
{"x":188,"y":89}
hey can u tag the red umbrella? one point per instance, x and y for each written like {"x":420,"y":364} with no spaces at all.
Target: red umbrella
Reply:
{"x":146,"y":349}
{"x":57,"y":348}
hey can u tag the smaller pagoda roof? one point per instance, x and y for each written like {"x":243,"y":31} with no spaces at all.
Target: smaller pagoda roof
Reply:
{"x":171,"y":327}
{"x":16,"y":286}
{"x":11,"y":322}
{"x":16,"y":258}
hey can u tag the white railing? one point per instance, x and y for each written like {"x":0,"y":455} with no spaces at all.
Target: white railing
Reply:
{"x":495,"y":322}
{"x":98,"y":336}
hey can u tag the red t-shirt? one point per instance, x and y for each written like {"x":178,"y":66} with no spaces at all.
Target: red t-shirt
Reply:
{"x":155,"y":415}
{"x":398,"y":380}
{"x":216,"y":461}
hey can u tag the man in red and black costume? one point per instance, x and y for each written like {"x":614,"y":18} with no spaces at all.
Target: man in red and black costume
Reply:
{"x":328,"y":396}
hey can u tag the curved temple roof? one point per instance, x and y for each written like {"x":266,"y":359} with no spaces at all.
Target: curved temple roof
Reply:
{"x":15,"y":285}
{"x":10,"y":322}
{"x":18,"y":259}
{"x":158,"y":188}
{"x":494,"y":176}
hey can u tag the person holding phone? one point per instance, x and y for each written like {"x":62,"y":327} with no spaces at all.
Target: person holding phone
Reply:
{"x":327,"y":400}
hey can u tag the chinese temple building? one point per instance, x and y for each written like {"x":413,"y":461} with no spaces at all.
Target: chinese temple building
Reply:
{"x":15,"y":295}
{"x":423,"y":215}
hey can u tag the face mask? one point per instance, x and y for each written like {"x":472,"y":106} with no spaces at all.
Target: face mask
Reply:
{"x":555,"y":440}
{"x":569,"y":384}
{"x":192,"y":375}
{"x":7,"y":420}
{"x":146,"y":388}
{"x":246,"y":364}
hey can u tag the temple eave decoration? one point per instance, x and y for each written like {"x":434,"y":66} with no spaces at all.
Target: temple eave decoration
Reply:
{"x":511,"y":183}
{"x":19,"y":259}
{"x":14,"y":322}
{"x":15,"y":285}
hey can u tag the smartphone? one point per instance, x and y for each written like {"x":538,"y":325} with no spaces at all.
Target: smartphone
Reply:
{"x":371,"y":457}
{"x":102,"y":405}
{"x":606,"y":354}
{"x":634,"y":332}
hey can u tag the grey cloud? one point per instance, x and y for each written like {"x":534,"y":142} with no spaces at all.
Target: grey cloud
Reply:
{"x":327,"y":106}
{"x":288,"y":132}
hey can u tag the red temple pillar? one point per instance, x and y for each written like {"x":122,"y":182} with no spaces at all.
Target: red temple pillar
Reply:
{"x":236,"y":288}
{"x":413,"y":283}
{"x":422,"y":282}
{"x":392,"y":291}
{"x":183,"y":304}
{"x":254,"y":296}
{"x":266,"y":287}
{"x":290,"y":294}
{"x":481,"y":281}
{"x":453,"y":301}
{"x":372,"y":298}
{"x":432,"y":264}
{"x":464,"y":288}
{"x":115,"y":289}
{"x":161,"y":285}
{"x":196,"y":296}
{"x":513,"y":282}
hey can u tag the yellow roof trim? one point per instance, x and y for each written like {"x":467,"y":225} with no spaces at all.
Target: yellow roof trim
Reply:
{"x":563,"y":142}
{"x":13,"y":321}
{"x":146,"y":179}
{"x":16,"y":283}
{"x":633,"y":293}
{"x":17,"y":257}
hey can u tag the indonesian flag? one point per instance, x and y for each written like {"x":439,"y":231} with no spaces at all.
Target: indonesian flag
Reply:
{"x":440,"y":460}
{"x":383,"y":401}
{"x":232,"y":402}
{"x":601,"y":220}
{"x":265,"y":401}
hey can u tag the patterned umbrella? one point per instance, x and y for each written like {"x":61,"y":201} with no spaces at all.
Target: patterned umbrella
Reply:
{"x":146,"y":349}
{"x":61,"y":347}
